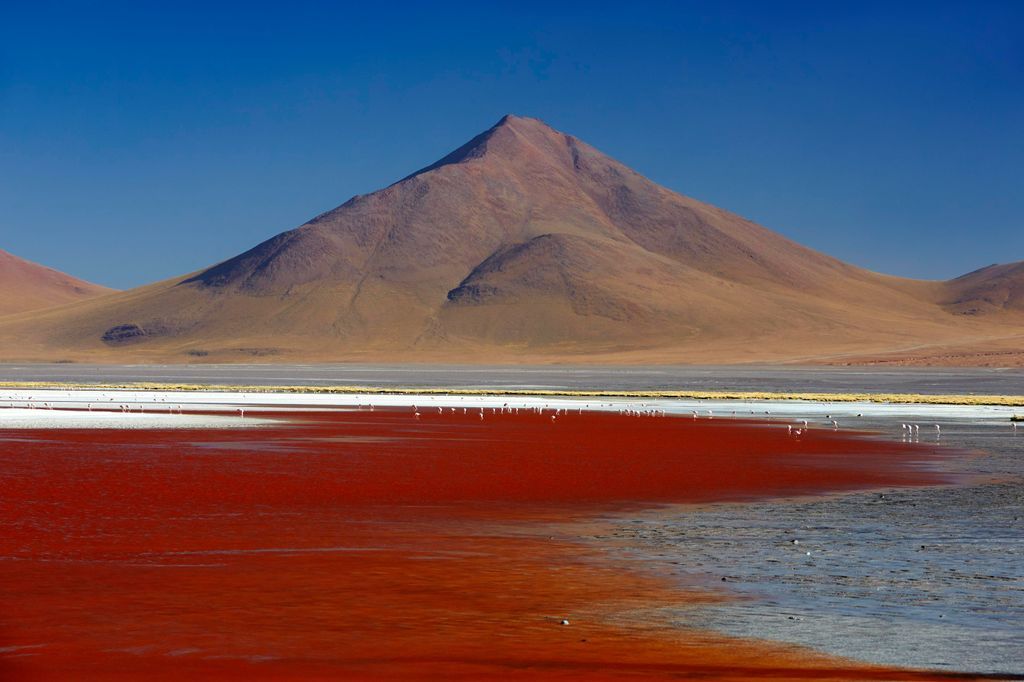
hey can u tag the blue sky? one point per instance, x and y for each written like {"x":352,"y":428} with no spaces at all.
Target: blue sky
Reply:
{"x":144,"y":140}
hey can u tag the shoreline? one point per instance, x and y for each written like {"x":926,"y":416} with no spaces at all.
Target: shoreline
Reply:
{"x":682,"y":394}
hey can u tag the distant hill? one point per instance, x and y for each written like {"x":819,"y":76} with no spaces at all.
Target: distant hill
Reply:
{"x":527,"y":243}
{"x":994,"y":289}
{"x":25,"y":285}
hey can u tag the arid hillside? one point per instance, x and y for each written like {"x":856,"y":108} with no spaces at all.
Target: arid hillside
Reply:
{"x":25,"y":285}
{"x":527,"y":243}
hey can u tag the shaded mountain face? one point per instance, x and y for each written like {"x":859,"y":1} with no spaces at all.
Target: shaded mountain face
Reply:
{"x":25,"y":286}
{"x":990,"y":290}
{"x":524,"y":242}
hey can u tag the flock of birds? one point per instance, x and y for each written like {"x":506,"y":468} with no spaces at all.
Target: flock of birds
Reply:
{"x":30,"y":403}
{"x":540,"y":410}
{"x":909,"y":431}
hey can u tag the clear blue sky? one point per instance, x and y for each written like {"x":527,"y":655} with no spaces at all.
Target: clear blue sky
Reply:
{"x":142,"y":140}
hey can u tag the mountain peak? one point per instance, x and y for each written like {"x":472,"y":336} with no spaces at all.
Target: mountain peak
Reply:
{"x":516,"y":120}
{"x":508,"y":137}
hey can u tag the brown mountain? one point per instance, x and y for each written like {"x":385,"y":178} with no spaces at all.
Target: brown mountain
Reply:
{"x":993,"y":289}
{"x":525,"y":243}
{"x":25,"y":285}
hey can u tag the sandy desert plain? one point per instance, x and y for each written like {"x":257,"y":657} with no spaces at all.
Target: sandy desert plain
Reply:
{"x":533,"y":530}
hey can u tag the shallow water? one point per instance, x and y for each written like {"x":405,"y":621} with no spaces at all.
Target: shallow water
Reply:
{"x":930,"y":577}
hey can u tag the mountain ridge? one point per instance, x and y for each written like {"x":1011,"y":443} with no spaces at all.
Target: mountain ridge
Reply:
{"x":526,"y":242}
{"x":27,"y":286}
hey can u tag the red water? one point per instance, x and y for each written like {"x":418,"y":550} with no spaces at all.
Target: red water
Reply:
{"x":378,"y":545}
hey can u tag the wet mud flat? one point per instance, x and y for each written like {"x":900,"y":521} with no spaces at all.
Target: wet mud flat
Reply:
{"x":928,"y":577}
{"x":386,"y":545}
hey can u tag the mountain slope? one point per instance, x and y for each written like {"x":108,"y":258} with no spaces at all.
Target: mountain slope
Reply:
{"x":993,"y":289}
{"x":25,"y":286}
{"x":523,"y":243}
